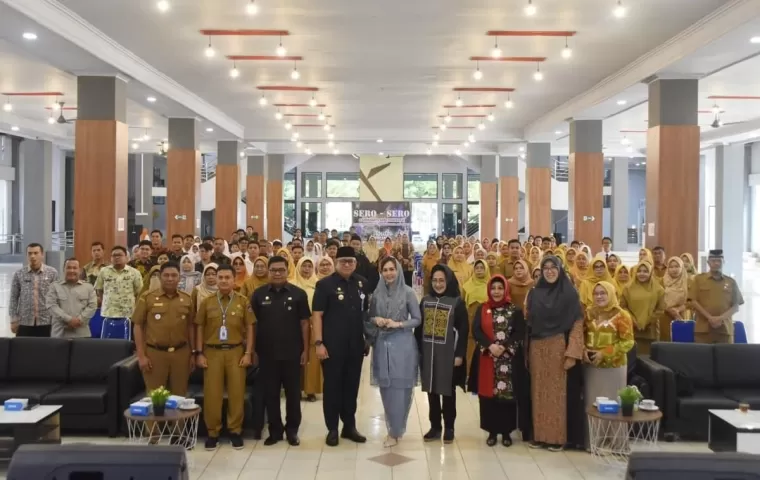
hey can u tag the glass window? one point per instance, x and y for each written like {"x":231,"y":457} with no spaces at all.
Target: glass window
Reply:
{"x":342,"y":185}
{"x":289,"y":216}
{"x":424,"y":223}
{"x":311,"y":217}
{"x":473,"y":217}
{"x":420,"y":185}
{"x":452,"y":185}
{"x":289,"y":186}
{"x":338,"y":215}
{"x":473,"y":188}
{"x":451,"y":220}
{"x":311,"y":185}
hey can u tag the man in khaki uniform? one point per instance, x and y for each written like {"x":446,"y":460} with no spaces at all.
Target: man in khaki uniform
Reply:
{"x":508,"y":265}
{"x":224,"y":342}
{"x":715,"y":298}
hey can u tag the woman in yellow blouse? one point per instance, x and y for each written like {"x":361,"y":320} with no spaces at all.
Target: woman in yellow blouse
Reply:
{"x":582,"y":269}
{"x":622,"y":279}
{"x":534,"y":258}
{"x":645,"y":255}
{"x":676,"y":282}
{"x":613,"y":261}
{"x":644,"y":299}
{"x":688,"y":263}
{"x":520,"y":284}
{"x":570,"y":255}
{"x":429,"y":260}
{"x":609,"y":337}
{"x":285,"y":253}
{"x":311,"y":380}
{"x":493,"y":260}
{"x":458,"y":264}
{"x":475,"y":294}
{"x":598,"y":273}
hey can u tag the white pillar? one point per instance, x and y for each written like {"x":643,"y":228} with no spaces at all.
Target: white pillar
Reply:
{"x":729,"y":207}
{"x":619,"y":207}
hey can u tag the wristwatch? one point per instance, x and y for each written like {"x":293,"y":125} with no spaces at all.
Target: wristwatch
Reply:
{"x":318,"y":343}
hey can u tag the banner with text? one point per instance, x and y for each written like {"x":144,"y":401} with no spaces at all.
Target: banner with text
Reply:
{"x":382,"y":219}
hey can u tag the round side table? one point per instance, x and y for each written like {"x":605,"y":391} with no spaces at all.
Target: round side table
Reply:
{"x":175,"y":427}
{"x":612,"y":437}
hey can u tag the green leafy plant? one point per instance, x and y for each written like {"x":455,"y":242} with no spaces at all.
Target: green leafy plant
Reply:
{"x":159,"y":396}
{"x":629,"y":395}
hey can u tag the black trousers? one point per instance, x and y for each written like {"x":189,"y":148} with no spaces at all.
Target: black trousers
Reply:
{"x":33,"y":331}
{"x":277,"y":375}
{"x":342,"y":375}
{"x":442,"y":404}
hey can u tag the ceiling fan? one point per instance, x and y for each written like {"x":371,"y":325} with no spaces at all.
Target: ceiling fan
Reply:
{"x":61,"y":119}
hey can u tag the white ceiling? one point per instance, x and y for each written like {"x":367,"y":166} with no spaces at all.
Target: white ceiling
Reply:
{"x":383,"y":68}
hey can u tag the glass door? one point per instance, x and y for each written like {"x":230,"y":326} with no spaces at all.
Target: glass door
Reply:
{"x":451,"y":220}
{"x":424,"y":223}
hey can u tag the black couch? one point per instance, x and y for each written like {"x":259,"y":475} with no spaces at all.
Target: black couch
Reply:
{"x":698,"y":378}
{"x":79,"y":374}
{"x":133,"y":388}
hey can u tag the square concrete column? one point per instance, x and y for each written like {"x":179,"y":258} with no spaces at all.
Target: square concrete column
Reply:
{"x":143,"y":185}
{"x":538,"y":189}
{"x":227,"y":187}
{"x":729,"y":207}
{"x":101,"y":146}
{"x":619,"y":210}
{"x":275,"y":165}
{"x":586,"y":182}
{"x":672,"y":219}
{"x":36,"y":192}
{"x":488,"y":196}
{"x":183,"y":178}
{"x":255,"y":194}
{"x":509,"y":198}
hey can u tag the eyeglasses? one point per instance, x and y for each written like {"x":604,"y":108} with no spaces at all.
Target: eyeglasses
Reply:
{"x":278,"y":270}
{"x":347,"y":261}
{"x":550,"y":268}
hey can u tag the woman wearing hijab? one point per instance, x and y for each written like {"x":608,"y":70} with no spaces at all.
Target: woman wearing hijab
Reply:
{"x":688,"y":263}
{"x":429,"y":260}
{"x":534,"y":257}
{"x":570,"y":255}
{"x":609,"y":337}
{"x":644,"y":298}
{"x":520,"y":284}
{"x":405,"y":255}
{"x":612,"y":263}
{"x":645,"y":255}
{"x":258,"y":278}
{"x":622,"y":279}
{"x":445,"y":254}
{"x":325,"y":267}
{"x":475,"y":294}
{"x":306,"y":279}
{"x":498,"y":371}
{"x":535,"y":274}
{"x":207,"y":287}
{"x":676,"y":283}
{"x":285,"y":253}
{"x":393,"y":315}
{"x":582,"y":270}
{"x":152,"y":279}
{"x":188,"y":276}
{"x":598,"y":273}
{"x":555,"y":319}
{"x":371,"y":250}
{"x":388,"y":246}
{"x":493,"y":262}
{"x":458,"y":264}
{"x":241,"y":272}
{"x":442,"y":338}
{"x":469,"y":252}
{"x":480,"y":254}
{"x":311,"y":250}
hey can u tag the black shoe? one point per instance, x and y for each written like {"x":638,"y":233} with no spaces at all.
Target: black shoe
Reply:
{"x":506,"y":441}
{"x":311,"y":397}
{"x":536,"y":445}
{"x":212,"y":443}
{"x":353,"y":435}
{"x":556,"y":448}
{"x":332,"y":438}
{"x":432,"y":435}
{"x":272,"y":439}
{"x":448,"y":435}
{"x":492,"y":439}
{"x":293,"y":439}
{"x":257,"y":434}
{"x":236,"y":441}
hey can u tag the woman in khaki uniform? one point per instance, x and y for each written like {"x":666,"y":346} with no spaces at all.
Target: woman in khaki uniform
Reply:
{"x":644,"y":298}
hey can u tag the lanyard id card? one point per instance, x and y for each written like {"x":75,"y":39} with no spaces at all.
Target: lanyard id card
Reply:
{"x":223,"y":328}
{"x":362,"y":297}
{"x":223,"y":333}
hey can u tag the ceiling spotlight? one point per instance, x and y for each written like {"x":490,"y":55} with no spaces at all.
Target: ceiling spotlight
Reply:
{"x":538,"y":75}
{"x":567,"y":52}
{"x":716,"y":108}
{"x":278,"y":115}
{"x":210,"y":52}
{"x":308,"y":151}
{"x":522,"y":156}
{"x":296,"y":135}
{"x":163,"y":5}
{"x":14,"y":128}
{"x":466,"y":144}
{"x":619,"y":11}
{"x":458,"y":152}
{"x":622,"y":102}
{"x":281,"y":51}
{"x":459,"y":101}
{"x":754,"y":40}
{"x":436,"y":137}
{"x":530,"y":9}
{"x":51,"y":120}
{"x":293,"y":138}
{"x":313,"y":102}
{"x":252,"y":8}
{"x":509,"y":103}
{"x":429,"y":151}
{"x":379,"y":140}
{"x":477,"y":75}
{"x":442,"y":126}
{"x":435,"y":143}
{"x":380,"y":153}
{"x":491,"y":117}
{"x":522,"y":148}
{"x":321,"y":116}
{"x":447,"y":118}
{"x":496,"y":51}
{"x":55,"y":106}
{"x":558,"y":132}
{"x":242,"y":154}
{"x":234,"y":72}
{"x":209,"y":129}
{"x":625,"y":141}
{"x":8,"y":106}
{"x":29,"y":36}
{"x":149,"y":99}
{"x":135,"y":146}
{"x":471,"y":138}
{"x":288,"y":126}
{"x":331,"y":144}
{"x":336,"y":152}
{"x":331,"y":136}
{"x":295,"y":74}
{"x":481,"y":126}
{"x":263,"y":101}
{"x":146,"y":137}
{"x":327,"y":127}
{"x":299,"y":144}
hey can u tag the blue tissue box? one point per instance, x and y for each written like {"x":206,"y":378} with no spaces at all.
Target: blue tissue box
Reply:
{"x":174,"y":401}
{"x":140,"y":409}
{"x":15,"y":404}
{"x":608,"y":407}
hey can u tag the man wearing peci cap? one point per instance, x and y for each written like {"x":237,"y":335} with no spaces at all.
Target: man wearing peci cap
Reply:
{"x":715,"y":298}
{"x":339,"y":308}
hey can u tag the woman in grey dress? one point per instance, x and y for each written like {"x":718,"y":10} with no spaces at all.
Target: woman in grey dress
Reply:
{"x":393,"y":315}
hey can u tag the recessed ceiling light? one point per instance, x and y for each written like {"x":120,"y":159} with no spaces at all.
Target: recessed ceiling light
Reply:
{"x":380,"y":153}
{"x":242,"y":154}
{"x":209,"y":129}
{"x":458,"y":152}
{"x":135,"y":146}
{"x":379,"y":140}
{"x":151,"y":99}
{"x":14,"y":128}
{"x":29,"y":36}
{"x":163,"y":5}
{"x":754,"y":40}
{"x":622,"y":102}
{"x":558,"y":132}
{"x":51,"y":120}
{"x":522,"y":149}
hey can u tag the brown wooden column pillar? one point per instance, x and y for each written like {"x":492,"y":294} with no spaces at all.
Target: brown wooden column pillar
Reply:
{"x":538,"y":189}
{"x":275,"y":171}
{"x":101,"y":174}
{"x":586,"y":177}
{"x":509,"y":198}
{"x":672,"y":219}
{"x":488,"y":197}
{"x":255,"y":193}
{"x":183,"y":178}
{"x":227,"y":188}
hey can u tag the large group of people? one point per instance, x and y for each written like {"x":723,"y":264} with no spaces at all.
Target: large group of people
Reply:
{"x":537,"y":330}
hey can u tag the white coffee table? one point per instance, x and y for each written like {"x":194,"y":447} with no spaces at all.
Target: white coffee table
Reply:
{"x":41,"y":424}
{"x":734,"y":431}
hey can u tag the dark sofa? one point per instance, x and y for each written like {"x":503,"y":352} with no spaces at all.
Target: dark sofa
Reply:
{"x":79,"y":374}
{"x":698,"y":378}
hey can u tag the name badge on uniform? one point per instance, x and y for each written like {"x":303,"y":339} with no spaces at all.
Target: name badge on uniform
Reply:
{"x":340,"y":296}
{"x":362,"y":296}
{"x":158,"y":316}
{"x":223,"y":333}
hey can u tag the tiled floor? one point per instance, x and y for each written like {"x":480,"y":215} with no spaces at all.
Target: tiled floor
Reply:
{"x":467,"y":458}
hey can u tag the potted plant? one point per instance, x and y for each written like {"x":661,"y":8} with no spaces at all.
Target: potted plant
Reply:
{"x":629,"y":396}
{"x":158,"y":398}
